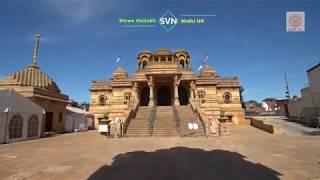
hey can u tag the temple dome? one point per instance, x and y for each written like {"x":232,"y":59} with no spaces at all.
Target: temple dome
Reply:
{"x":145,"y":51}
{"x":119,"y":73}
{"x":31,"y":76}
{"x":207,"y":71}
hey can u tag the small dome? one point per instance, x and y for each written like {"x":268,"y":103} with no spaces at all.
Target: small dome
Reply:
{"x":145,"y":51}
{"x":181,"y":50}
{"x":163,"y":51}
{"x":207,"y":71}
{"x":31,"y":76}
{"x":119,"y":73}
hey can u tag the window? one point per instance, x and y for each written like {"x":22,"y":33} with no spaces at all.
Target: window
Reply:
{"x":181,"y":63}
{"x":127,"y":96}
{"x":102,"y":100}
{"x":201,"y":94}
{"x":144,"y":64}
{"x":227,"y":97}
{"x":33,"y":124}
{"x":15,"y":127}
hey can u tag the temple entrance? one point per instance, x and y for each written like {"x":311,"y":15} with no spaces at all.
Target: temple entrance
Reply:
{"x":183,"y":95}
{"x":144,"y":97}
{"x":164,"y":97}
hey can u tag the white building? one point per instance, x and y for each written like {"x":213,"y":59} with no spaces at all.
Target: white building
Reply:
{"x":307,"y":107}
{"x":77,"y":119}
{"x":20,"y":118}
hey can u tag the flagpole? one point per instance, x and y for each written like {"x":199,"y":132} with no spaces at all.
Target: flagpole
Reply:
{"x":204,"y":63}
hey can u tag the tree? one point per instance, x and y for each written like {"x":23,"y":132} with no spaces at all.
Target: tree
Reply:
{"x":254,"y":103}
{"x":269,"y":99}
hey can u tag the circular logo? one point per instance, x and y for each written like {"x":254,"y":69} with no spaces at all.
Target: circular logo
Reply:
{"x":295,"y":21}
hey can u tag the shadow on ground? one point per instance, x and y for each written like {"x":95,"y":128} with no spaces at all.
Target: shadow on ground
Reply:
{"x":183,"y":163}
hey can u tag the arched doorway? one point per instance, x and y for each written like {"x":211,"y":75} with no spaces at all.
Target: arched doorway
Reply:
{"x":144,"y":96}
{"x":164,"y":96}
{"x":183,"y":96}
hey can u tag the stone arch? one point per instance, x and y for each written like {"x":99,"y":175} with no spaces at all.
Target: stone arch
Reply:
{"x":102,"y":100}
{"x":227,"y":97}
{"x":182,"y":61}
{"x":144,"y":64}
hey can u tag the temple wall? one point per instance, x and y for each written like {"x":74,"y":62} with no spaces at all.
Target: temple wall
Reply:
{"x":215,"y":106}
{"x":115,"y":104}
{"x":57,"y":107}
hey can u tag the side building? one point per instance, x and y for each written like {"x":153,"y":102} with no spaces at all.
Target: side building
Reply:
{"x":307,"y":107}
{"x":33,"y":83}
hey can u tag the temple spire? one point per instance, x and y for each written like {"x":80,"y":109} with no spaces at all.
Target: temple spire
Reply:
{"x":36,"y":48}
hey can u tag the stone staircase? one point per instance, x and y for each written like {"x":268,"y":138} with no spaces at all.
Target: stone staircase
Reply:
{"x":168,"y":121}
{"x":139,"y":126}
{"x":186,"y":116}
{"x":165,"y":124}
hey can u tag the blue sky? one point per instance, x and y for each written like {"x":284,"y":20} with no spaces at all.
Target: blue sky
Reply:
{"x":82,"y":39}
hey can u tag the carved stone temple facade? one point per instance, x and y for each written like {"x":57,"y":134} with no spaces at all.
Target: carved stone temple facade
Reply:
{"x":165,"y":78}
{"x":33,"y":83}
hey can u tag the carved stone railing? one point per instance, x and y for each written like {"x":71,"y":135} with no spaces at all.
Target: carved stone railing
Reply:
{"x":131,"y":115}
{"x":229,"y":78}
{"x":177,"y":119}
{"x":152,"y":118}
{"x":195,"y":105}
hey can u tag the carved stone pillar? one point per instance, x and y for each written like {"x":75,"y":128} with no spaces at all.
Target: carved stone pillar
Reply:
{"x":176,"y":93}
{"x":135,"y":91}
{"x":151,"y":85}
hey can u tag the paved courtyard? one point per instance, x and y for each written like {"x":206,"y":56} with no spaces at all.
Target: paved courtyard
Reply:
{"x":291,"y":128}
{"x":248,"y":154}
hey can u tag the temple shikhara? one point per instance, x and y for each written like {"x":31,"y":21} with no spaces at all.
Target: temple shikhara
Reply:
{"x":32,"y":83}
{"x":164,"y":96}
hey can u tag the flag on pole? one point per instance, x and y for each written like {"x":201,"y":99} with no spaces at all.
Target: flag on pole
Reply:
{"x":118,"y":59}
{"x":206,"y":59}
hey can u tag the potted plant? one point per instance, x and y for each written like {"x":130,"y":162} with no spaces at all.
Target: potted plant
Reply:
{"x":105,"y":116}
